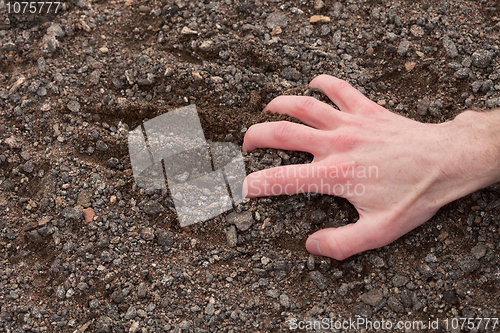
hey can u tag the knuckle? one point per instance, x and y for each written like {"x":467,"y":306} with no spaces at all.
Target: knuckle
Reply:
{"x":283,"y":130}
{"x":342,"y":85}
{"x":306,"y":104}
{"x":344,"y":141}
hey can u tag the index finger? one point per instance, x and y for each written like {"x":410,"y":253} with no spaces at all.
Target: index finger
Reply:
{"x":340,"y":92}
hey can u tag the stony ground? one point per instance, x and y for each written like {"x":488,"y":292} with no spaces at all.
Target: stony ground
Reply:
{"x":82,"y":249}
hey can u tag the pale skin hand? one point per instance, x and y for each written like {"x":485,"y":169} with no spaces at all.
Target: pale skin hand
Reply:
{"x":416,"y":168}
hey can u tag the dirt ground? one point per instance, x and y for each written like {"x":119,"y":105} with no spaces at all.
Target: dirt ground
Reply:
{"x":83,"y":249}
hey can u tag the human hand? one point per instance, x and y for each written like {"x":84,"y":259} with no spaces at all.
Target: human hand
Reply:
{"x":397,"y":172}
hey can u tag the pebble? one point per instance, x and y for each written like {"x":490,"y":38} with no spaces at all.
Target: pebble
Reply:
{"x":101,"y":146}
{"x":147,"y":234}
{"x":56,"y":30}
{"x":462,"y":73}
{"x":423,"y":106}
{"x":319,"y":280}
{"x":318,"y":216}
{"x":164,"y":237}
{"x":243,"y":221}
{"x":468,"y":263}
{"x":73,"y":214}
{"x":73,"y":106}
{"x":404,"y":47}
{"x":152,"y":207}
{"x":482,"y":58}
{"x":417,"y":31}
{"x":319,"y":18}
{"x":450,"y":48}
{"x":373,"y":297}
{"x":399,"y":280}
{"x":276,"y":19}
{"x":231,"y":236}
{"x":479,"y":251}
{"x":88,"y":214}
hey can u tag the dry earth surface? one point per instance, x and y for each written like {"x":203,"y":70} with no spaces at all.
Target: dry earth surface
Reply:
{"x":83,"y":249}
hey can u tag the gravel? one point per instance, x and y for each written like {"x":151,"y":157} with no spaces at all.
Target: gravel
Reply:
{"x":84,"y":249}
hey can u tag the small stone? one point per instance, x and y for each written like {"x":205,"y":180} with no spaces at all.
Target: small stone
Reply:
{"x":28,"y":167}
{"x":231,"y":236}
{"x":206,"y":45}
{"x":343,"y":290}
{"x":276,"y":19}
{"x":147,"y":234}
{"x":184,"y":325}
{"x":423,"y":106}
{"x":373,"y":297}
{"x":319,"y":18}
{"x":56,"y":30}
{"x":134,"y":327}
{"x":479,"y":251}
{"x":319,"y":280}
{"x":435,"y":108}
{"x":450,"y":48}
{"x":410,"y":65}
{"x":318,"y":216}
{"x":377,"y":262}
{"x":113,"y":162}
{"x":73,"y":214}
{"x":210,"y":309}
{"x":101,"y":146}
{"x":468,"y":263}
{"x":310,"y":262}
{"x":164,"y":237}
{"x":8,"y":185}
{"x":84,"y":198}
{"x":49,"y":44}
{"x":404,"y":47}
{"x":73,"y":106}
{"x":417,"y":31}
{"x":16,"y":85}
{"x":291,"y":74}
{"x":60,"y":292}
{"x":142,"y":290}
{"x":284,"y":300}
{"x":131,"y":313}
{"x":104,"y":325}
{"x":117,"y":296}
{"x":188,"y":31}
{"x":243,"y":221}
{"x":462,"y":73}
{"x":318,"y":4}
{"x":395,"y":304}
{"x":152,"y":207}
{"x":95,"y":76}
{"x":88,"y":213}
{"x":399,"y":280}
{"x":13,"y":143}
{"x":482,"y":58}
{"x":83,"y":4}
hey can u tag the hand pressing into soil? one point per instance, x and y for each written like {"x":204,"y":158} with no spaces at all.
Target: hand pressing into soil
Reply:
{"x":397,"y":172}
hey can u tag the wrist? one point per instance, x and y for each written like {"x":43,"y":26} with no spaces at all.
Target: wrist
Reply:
{"x":478,"y":135}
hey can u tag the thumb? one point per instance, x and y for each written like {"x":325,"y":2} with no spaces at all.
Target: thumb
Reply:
{"x":343,"y":242}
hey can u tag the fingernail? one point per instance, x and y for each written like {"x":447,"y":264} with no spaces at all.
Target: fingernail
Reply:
{"x":244,"y":189}
{"x":313,"y":248}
